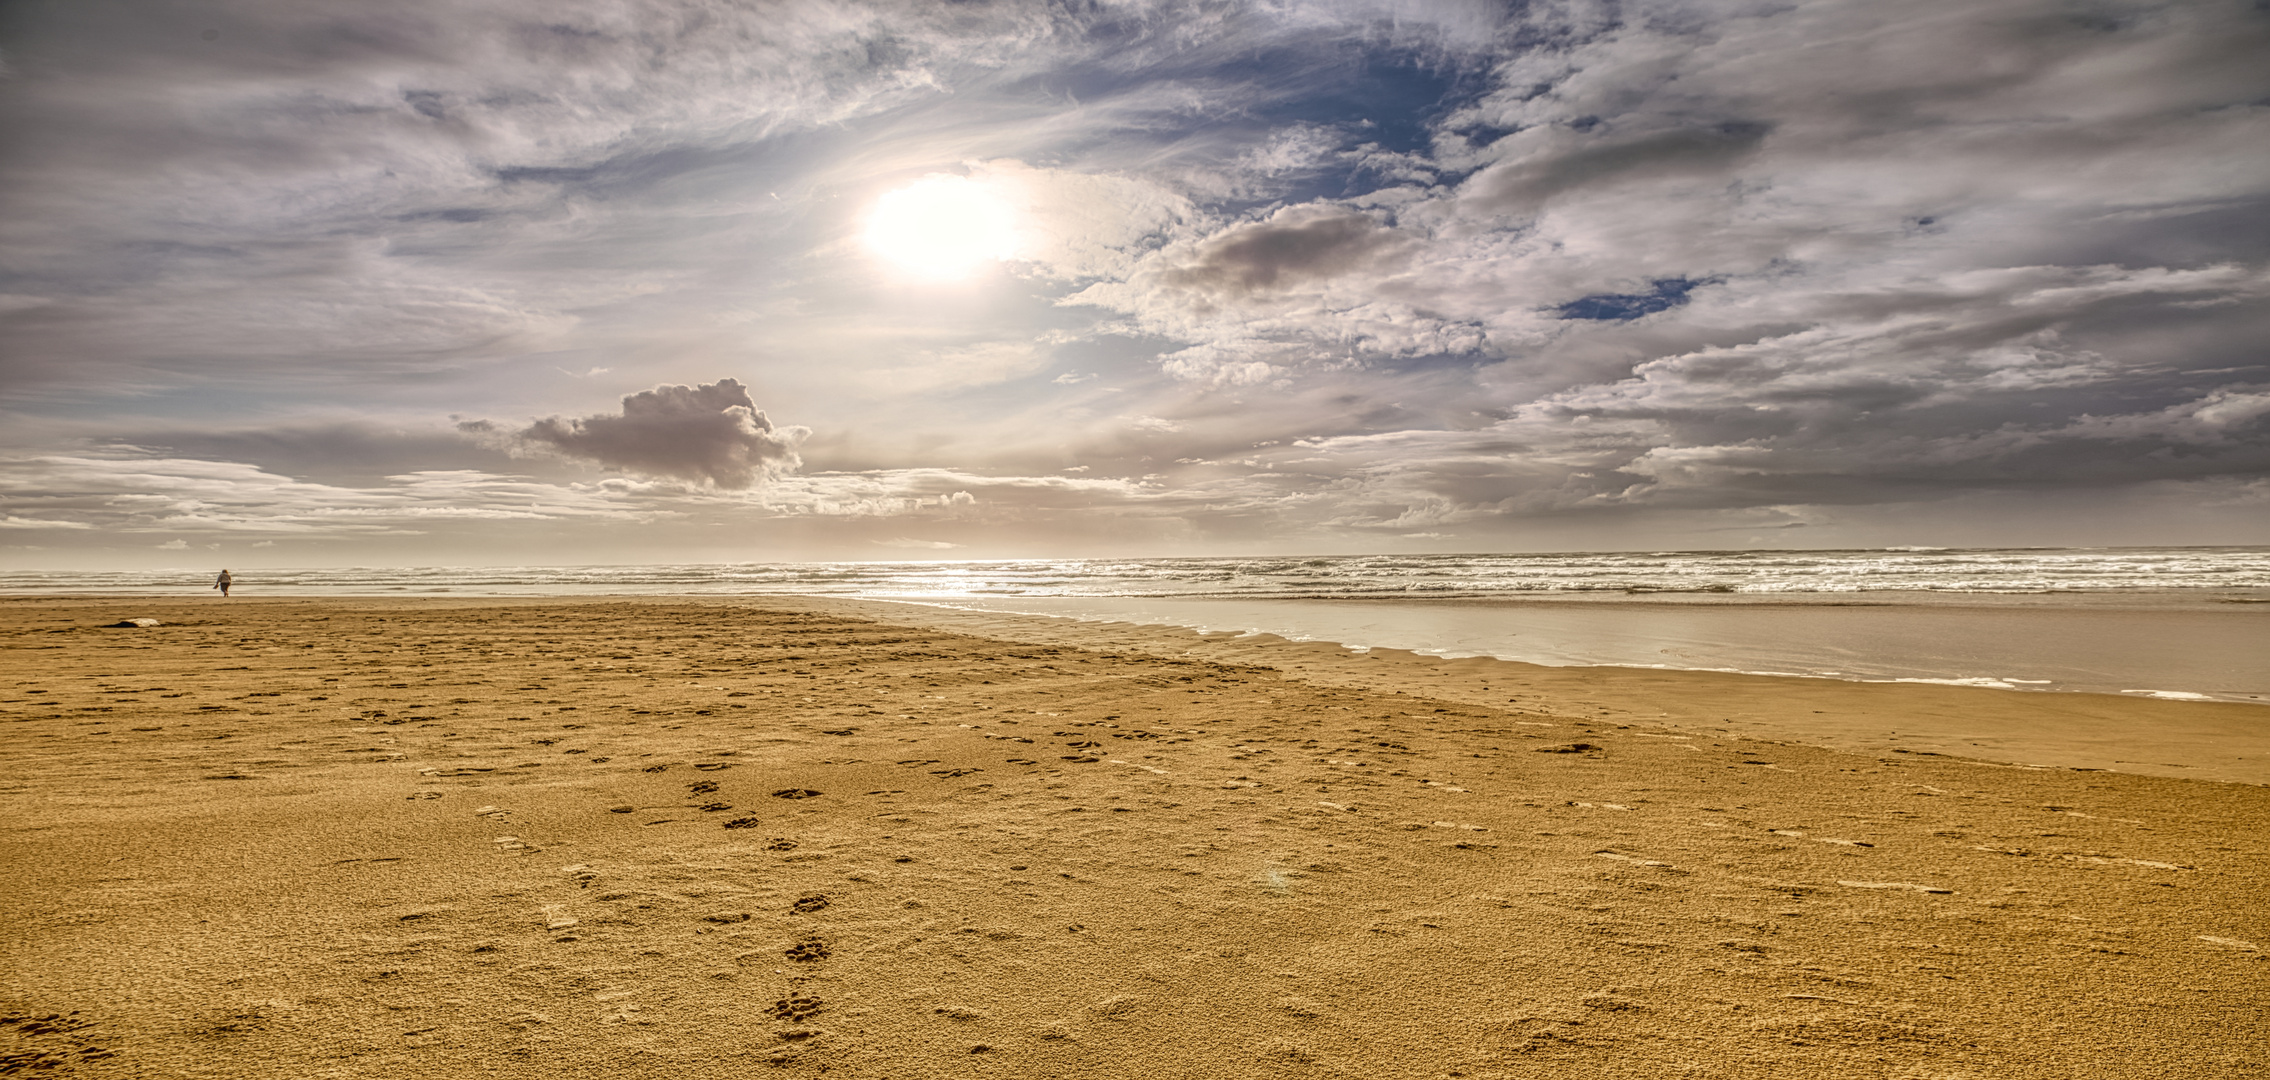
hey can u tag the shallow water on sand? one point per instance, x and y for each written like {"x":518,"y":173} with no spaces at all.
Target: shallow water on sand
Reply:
{"x":2165,"y":644}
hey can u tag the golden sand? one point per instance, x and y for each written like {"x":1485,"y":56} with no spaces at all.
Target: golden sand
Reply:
{"x":414,"y":838}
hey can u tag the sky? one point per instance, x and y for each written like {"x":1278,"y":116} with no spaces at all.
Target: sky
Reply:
{"x":469,"y":282}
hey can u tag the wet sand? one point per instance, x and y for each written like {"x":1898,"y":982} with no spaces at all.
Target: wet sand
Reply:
{"x":2200,"y":645}
{"x":794,"y":837}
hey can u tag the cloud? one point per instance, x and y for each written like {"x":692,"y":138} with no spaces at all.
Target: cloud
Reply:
{"x":11,"y":521}
{"x":1297,"y":244}
{"x":709,"y":433}
{"x":2229,"y":416}
{"x":1545,"y":162}
{"x":128,"y":490}
{"x":927,"y":545}
{"x":1082,"y":225}
{"x":1223,"y":364}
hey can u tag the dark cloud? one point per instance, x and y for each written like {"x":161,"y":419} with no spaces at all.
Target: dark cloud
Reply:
{"x":1294,"y":246}
{"x":1570,"y":159}
{"x":712,"y":432}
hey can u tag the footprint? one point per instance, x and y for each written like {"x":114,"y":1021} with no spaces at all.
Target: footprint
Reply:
{"x":423,"y":795}
{"x":1569,"y":748}
{"x":794,"y":793}
{"x":702,"y":787}
{"x":736,"y":823}
{"x":1021,"y":761}
{"x":713,"y":766}
{"x":796,"y":1007}
{"x":1081,"y":758}
{"x":842,"y":731}
{"x":711,"y":808}
{"x":513,"y":845}
{"x":781,"y":843}
{"x":808,"y":951}
{"x":954,"y":772}
{"x":809,"y":904}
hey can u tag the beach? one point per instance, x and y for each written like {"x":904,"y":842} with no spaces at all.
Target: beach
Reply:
{"x":806,"y":836}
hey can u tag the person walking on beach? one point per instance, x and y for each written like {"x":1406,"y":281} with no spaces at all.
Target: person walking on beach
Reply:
{"x":223,"y":584}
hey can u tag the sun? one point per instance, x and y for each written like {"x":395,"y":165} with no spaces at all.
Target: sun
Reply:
{"x":943,"y":227}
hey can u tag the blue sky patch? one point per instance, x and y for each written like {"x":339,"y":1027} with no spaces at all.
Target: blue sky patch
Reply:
{"x":1624,"y":307}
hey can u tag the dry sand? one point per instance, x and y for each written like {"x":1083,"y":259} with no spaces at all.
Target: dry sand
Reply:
{"x":794,"y":838}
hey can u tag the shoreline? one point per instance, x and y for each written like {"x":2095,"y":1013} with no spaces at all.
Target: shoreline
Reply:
{"x":2204,"y":740}
{"x":702,"y":840}
{"x":2221,"y":741}
{"x":2140,"y":646}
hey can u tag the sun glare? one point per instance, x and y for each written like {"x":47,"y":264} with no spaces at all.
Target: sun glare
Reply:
{"x":942,"y":227}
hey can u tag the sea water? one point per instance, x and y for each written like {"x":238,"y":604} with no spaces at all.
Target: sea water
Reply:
{"x":2171,"y":622}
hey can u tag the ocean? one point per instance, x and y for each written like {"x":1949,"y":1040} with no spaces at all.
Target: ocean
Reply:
{"x":2184,"y":623}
